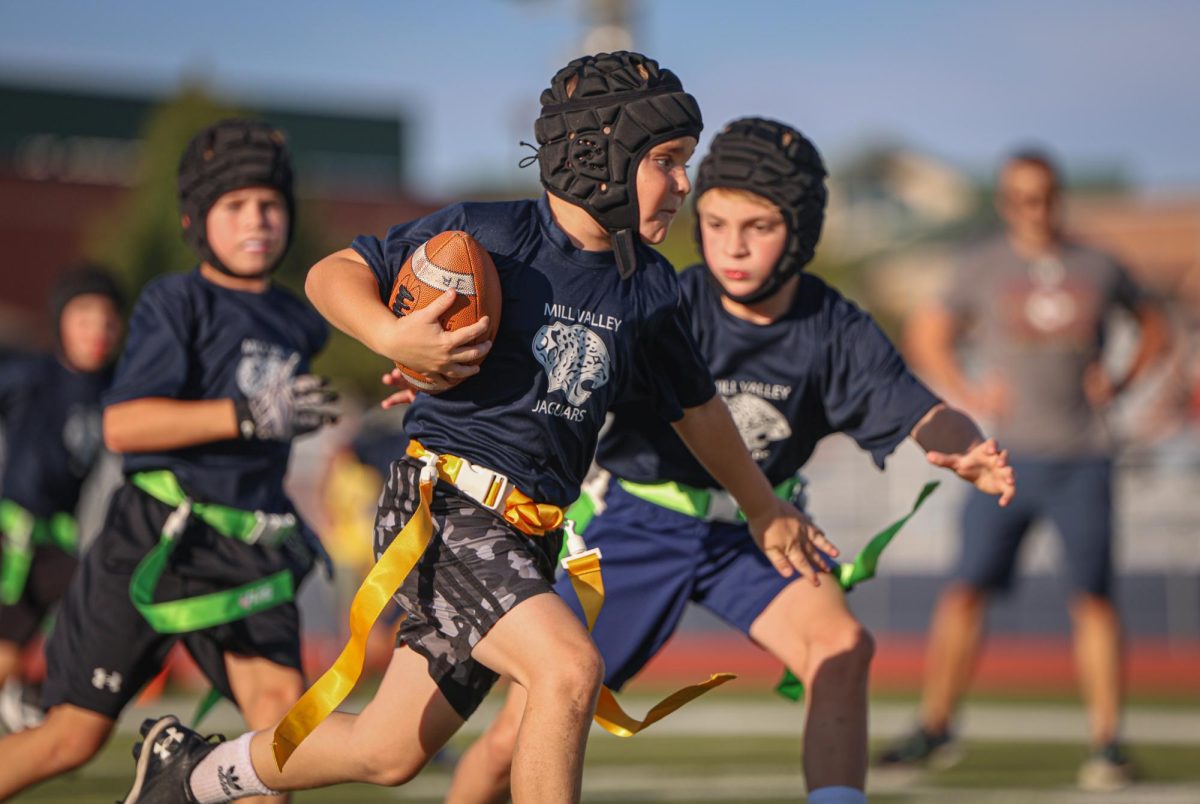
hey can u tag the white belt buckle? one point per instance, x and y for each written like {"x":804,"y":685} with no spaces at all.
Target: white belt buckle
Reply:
{"x":576,"y":547}
{"x":722,"y":507}
{"x":270,"y":528}
{"x":476,"y":482}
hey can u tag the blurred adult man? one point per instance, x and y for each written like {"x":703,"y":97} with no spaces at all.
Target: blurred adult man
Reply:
{"x":1038,"y":303}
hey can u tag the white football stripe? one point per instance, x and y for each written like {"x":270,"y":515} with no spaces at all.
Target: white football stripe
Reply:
{"x":438,"y":277}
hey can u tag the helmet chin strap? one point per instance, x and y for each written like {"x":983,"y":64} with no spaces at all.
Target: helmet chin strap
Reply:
{"x":625,"y":248}
{"x":220,"y":266}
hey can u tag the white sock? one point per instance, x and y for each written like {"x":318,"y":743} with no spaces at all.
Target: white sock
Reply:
{"x":227,"y":774}
{"x":837,"y":794}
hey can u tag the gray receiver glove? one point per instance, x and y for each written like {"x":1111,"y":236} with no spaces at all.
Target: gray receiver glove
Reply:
{"x":280,"y":412}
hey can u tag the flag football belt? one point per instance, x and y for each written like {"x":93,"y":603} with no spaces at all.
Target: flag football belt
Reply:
{"x":699,"y":503}
{"x":496,"y":492}
{"x":215,"y":608}
{"x":710,"y":505}
{"x":851,"y":573}
{"x":22,"y":532}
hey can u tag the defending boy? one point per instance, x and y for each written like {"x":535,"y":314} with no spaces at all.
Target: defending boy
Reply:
{"x":796,"y":362}
{"x":50,"y":411}
{"x":587,"y":304}
{"x":200,"y":544}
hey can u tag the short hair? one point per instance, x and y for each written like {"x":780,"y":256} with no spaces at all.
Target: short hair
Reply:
{"x":1032,"y":155}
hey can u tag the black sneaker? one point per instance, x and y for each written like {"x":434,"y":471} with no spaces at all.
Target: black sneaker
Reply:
{"x":165,"y":759}
{"x":937,"y":750}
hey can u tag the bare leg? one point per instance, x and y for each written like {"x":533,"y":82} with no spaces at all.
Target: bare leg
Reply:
{"x":1098,"y":658}
{"x":388,"y":743}
{"x":954,"y":641}
{"x":69,"y":737}
{"x":811,"y":630}
{"x":484,"y":772}
{"x":543,"y":647}
{"x":264,"y":691}
{"x":539,"y":643}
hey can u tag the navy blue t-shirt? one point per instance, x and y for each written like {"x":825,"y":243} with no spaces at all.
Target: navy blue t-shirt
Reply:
{"x":191,"y":339}
{"x":571,"y":333}
{"x":53,"y":439}
{"x":824,"y":367}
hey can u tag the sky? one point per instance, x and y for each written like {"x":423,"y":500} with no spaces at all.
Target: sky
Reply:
{"x":1103,"y":83}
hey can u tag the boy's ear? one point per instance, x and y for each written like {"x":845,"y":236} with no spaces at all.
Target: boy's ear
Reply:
{"x":185,"y":221}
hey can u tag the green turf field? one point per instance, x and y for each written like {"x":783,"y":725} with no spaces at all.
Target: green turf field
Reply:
{"x":707,"y":769}
{"x":713,"y":769}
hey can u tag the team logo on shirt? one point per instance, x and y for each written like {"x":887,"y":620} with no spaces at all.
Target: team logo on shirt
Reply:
{"x":759,"y":422}
{"x":82,"y":435}
{"x":575,"y":359}
{"x":264,"y":366}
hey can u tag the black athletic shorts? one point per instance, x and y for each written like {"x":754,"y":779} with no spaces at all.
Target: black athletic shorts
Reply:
{"x":477,"y":568}
{"x":49,"y":575}
{"x":102,"y":651}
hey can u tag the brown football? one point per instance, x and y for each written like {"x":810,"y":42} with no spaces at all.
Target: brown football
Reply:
{"x":448,"y":261}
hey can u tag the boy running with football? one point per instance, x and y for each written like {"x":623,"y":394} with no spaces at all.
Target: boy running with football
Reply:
{"x":200,"y":544}
{"x":796,"y":362}
{"x":586,"y":306}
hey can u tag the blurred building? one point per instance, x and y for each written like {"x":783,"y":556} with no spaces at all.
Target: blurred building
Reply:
{"x":68,"y":157}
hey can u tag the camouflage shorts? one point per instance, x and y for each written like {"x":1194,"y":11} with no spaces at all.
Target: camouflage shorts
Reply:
{"x":476,"y":569}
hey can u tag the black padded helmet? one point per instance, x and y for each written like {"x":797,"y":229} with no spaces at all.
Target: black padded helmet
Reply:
{"x":227,"y":156}
{"x":779,"y":163}
{"x":593,"y":138}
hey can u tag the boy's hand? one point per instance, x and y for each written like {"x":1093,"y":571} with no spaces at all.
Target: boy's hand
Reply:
{"x":984,"y":466}
{"x":404,"y":393}
{"x":791,"y":542}
{"x":418,"y":342}
{"x":1098,"y":386}
{"x":280,"y":412}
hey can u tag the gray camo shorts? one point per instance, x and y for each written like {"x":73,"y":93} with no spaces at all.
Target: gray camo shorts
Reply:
{"x":476,"y":569}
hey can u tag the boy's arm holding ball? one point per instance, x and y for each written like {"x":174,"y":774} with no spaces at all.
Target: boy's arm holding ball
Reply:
{"x":344,"y":290}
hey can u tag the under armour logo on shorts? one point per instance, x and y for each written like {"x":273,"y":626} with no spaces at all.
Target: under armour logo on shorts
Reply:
{"x":102,"y":679}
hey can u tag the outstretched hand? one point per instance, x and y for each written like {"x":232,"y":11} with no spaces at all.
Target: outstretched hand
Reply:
{"x":405,"y":393}
{"x":791,"y":542}
{"x":984,"y":466}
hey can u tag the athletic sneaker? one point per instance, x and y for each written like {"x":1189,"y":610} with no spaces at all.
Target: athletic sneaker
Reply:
{"x":20,"y":705}
{"x":1106,"y":771}
{"x":165,"y":759}
{"x":937,"y":750}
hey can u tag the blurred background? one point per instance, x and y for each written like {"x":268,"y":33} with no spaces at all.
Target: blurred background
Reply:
{"x":394,"y":109}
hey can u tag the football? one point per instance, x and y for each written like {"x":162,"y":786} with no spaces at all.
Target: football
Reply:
{"x":448,"y":261}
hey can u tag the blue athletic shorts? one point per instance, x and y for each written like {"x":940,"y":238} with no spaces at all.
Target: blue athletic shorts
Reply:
{"x":654,"y":561}
{"x":1076,"y":495}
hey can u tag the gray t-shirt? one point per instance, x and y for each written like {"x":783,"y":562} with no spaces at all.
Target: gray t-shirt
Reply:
{"x":1038,"y":325}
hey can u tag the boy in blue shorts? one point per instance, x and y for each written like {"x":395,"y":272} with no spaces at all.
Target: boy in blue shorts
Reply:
{"x":50,"y":409}
{"x":795,"y":362}
{"x":200,"y":544}
{"x":587,"y":306}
